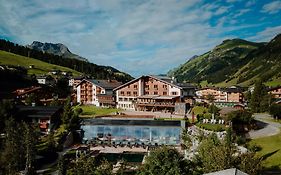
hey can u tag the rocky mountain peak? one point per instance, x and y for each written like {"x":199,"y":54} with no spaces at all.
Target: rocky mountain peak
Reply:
{"x":56,"y":49}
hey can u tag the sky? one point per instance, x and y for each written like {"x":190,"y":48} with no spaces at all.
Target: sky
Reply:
{"x":139,"y":36}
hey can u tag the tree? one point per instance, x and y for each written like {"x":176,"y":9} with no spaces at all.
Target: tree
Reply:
{"x":14,"y":151}
{"x":61,"y":88}
{"x":67,"y":111}
{"x":30,"y":142}
{"x":275,"y":110}
{"x":187,"y":142}
{"x":210,"y":98}
{"x":215,"y":156}
{"x":248,"y":96}
{"x":88,"y":165}
{"x":213,"y":109}
{"x":7,"y":111}
{"x":260,"y":99}
{"x":62,"y":166}
{"x":240,"y":119}
{"x":165,"y":160}
{"x":249,"y":163}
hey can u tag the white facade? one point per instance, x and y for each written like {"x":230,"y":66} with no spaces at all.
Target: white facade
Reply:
{"x":78,"y":94}
{"x":41,"y":80}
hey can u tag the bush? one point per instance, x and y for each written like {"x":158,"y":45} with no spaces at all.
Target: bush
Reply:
{"x":207,"y":116}
{"x":240,"y":140}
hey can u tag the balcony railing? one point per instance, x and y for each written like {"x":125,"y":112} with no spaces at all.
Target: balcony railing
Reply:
{"x":161,"y":104}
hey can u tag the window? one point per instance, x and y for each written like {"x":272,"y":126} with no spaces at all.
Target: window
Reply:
{"x":122,"y":92}
{"x":147,"y":87}
{"x":174,"y":93}
{"x":120,"y":99}
{"x":155,"y":86}
{"x":135,"y":93}
{"x":135,"y":86}
{"x":128,"y":86}
{"x":164,"y":93}
{"x":146,"y":93}
{"x":128,"y":93}
{"x":155,"y":93}
{"x":164,"y":86}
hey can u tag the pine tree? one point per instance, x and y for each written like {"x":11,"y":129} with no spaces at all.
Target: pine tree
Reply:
{"x":258,"y":101}
{"x":30,"y":142}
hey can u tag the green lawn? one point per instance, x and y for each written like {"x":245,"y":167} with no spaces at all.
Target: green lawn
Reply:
{"x":270,"y":150}
{"x":40,"y":67}
{"x":211,"y":127}
{"x":90,"y":110}
{"x":199,"y":110}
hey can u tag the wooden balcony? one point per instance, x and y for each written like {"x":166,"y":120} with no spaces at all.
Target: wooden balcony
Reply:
{"x":158,"y":104}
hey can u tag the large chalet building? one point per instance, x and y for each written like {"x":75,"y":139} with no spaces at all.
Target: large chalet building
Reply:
{"x":221,"y":96}
{"x":97,"y":92}
{"x":153,"y":93}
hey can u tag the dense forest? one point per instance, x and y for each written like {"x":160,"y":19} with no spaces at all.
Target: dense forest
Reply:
{"x":91,"y":69}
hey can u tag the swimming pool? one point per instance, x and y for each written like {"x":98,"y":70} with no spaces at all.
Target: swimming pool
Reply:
{"x":134,"y":131}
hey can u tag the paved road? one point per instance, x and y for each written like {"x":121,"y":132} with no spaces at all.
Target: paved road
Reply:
{"x":268,"y":128}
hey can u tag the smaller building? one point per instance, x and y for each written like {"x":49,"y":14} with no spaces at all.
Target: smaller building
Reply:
{"x":97,"y":92}
{"x":47,"y":80}
{"x":74,"y":81}
{"x":275,"y":92}
{"x":222,"y":97}
{"x":24,"y":92}
{"x":45,"y":116}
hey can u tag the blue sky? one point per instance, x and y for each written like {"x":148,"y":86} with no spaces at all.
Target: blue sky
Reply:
{"x":139,"y":36}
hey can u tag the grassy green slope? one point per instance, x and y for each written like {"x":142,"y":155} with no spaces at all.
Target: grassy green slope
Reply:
{"x":264,"y":64}
{"x":40,"y":67}
{"x":218,"y":64}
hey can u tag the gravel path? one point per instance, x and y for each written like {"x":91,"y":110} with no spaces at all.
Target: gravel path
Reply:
{"x":268,"y":128}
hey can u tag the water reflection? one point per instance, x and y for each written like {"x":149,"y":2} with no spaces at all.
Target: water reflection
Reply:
{"x":141,"y":134}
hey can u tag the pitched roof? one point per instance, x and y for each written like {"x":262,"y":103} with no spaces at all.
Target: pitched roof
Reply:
{"x":106,"y":84}
{"x":274,"y":88}
{"x":164,"y":79}
{"x":38,"y":111}
{"x":231,"y":171}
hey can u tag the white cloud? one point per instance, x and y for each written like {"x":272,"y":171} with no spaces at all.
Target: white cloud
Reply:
{"x":272,"y":7}
{"x":233,"y":1}
{"x":241,"y":12}
{"x":139,"y":37}
{"x":250,"y":3}
{"x":267,"y":34}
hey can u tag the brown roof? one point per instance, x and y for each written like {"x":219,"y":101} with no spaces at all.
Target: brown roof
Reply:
{"x":227,"y":110}
{"x":164,"y":79}
{"x":106,"y":84}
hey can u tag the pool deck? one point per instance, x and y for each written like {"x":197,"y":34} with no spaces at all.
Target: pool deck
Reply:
{"x":111,"y":149}
{"x":155,"y":114}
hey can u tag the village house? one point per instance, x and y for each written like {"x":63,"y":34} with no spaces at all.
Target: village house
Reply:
{"x":153,"y":93}
{"x":222,"y":97}
{"x":275,"y":93}
{"x":47,"y":117}
{"x":47,"y":80}
{"x":74,"y":81}
{"x":23,"y":93}
{"x":97,"y":92}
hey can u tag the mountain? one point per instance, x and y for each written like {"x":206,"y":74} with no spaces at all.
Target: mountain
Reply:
{"x":56,"y":49}
{"x":264,"y":63}
{"x":87,"y":68}
{"x":234,"y":62}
